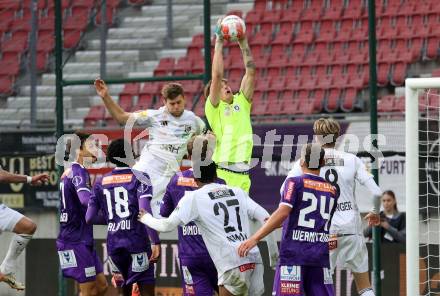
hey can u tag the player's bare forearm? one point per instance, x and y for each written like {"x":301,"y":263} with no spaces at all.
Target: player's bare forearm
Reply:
{"x":217,"y":73}
{"x":248,"y":83}
{"x":7,"y":177}
{"x":273,"y":222}
{"x":114,"y":109}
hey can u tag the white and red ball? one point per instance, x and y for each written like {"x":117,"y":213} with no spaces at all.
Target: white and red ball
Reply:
{"x":233,"y":28}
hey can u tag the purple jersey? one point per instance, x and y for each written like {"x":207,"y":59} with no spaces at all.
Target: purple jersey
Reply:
{"x":73,"y":227}
{"x":118,"y":195}
{"x":190,"y":241}
{"x":305,"y":232}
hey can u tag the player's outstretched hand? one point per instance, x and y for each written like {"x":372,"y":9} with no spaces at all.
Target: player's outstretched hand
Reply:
{"x":2,"y":277}
{"x":40,"y":179}
{"x":373,"y":219}
{"x":101,"y":88}
{"x":246,"y":246}
{"x":155,"y":253}
{"x":218,"y":29}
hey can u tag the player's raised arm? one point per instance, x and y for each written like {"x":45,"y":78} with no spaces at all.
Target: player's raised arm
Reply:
{"x":217,"y":69}
{"x":248,"y":82}
{"x":114,"y":109}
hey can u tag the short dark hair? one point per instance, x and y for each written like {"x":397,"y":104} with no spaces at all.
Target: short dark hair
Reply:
{"x":208,"y":87}
{"x":313,"y":156}
{"x":116,"y":151}
{"x":82,"y":138}
{"x":172,"y":90}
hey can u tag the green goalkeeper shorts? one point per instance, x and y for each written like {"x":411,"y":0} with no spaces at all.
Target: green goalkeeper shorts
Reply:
{"x":235,"y":179}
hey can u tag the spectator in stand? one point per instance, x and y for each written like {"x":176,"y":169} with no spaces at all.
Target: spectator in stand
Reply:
{"x":392,"y":222}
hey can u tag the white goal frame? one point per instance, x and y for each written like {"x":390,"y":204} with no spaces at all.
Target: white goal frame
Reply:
{"x":412,"y":85}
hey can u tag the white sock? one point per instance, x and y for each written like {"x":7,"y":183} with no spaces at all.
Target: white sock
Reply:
{"x":366,"y":292}
{"x":16,"y":247}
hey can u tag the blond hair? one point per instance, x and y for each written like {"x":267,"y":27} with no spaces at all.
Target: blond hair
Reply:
{"x":327,"y":127}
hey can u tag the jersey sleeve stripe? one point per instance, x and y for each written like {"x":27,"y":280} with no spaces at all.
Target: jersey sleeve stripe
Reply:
{"x":145,"y":195}
{"x":286,"y":204}
{"x":83,"y":189}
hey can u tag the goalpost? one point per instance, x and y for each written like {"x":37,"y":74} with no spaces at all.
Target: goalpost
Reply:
{"x":422,"y":176}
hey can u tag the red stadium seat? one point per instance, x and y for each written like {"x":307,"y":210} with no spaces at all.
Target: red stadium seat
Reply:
{"x":386,"y":103}
{"x":45,"y":42}
{"x":183,"y":66}
{"x":332,"y":102}
{"x":291,"y":15}
{"x":382,"y":74}
{"x":326,"y":34}
{"x":271,"y":16}
{"x":71,"y":38}
{"x":311,"y":14}
{"x":349,"y":100}
{"x":354,"y":11}
{"x":432,"y":47}
{"x":95,"y":115}
{"x":130,"y":90}
{"x":42,"y":61}
{"x":165,"y":67}
{"x":6,"y":85}
{"x":332,"y":13}
{"x":399,"y":74}
{"x":253,"y":17}
{"x":259,"y":108}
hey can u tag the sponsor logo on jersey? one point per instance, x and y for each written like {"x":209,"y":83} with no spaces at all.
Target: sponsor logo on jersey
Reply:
{"x":187,"y":182}
{"x":67,"y":259}
{"x":344,"y":206}
{"x":117,"y":179}
{"x":163,"y":122}
{"x":227,"y":111}
{"x":289,"y":191}
{"x":289,"y":288}
{"x":290,"y":273}
{"x":248,"y":266}
{"x":320,"y":186}
{"x":139,"y":262}
{"x":90,"y":271}
{"x":77,"y":180}
{"x":171,"y":148}
{"x":236,"y":107}
{"x":221,"y":193}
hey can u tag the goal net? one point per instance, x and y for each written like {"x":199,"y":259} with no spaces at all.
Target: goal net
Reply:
{"x":422,"y":116}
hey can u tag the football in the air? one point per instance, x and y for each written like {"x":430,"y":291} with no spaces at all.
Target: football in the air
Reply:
{"x":233,"y":28}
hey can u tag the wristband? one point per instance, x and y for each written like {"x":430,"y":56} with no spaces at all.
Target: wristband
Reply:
{"x":28,"y":179}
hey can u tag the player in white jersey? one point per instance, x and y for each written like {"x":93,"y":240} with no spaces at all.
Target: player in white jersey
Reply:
{"x":222,"y":213}
{"x":23,"y":227}
{"x":170,"y":128}
{"x":343,"y":170}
